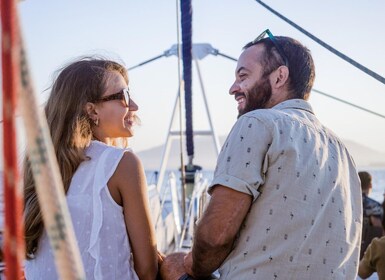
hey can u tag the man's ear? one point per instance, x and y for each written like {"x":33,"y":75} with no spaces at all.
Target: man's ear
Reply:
{"x":92,"y":111}
{"x":280,"y":76}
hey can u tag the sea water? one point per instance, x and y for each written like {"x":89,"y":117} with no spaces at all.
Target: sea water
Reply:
{"x":378,"y":180}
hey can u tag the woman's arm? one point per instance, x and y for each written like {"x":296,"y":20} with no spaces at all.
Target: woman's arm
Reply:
{"x":131,"y":183}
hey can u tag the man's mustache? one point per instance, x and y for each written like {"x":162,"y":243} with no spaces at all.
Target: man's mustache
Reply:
{"x":239,"y":94}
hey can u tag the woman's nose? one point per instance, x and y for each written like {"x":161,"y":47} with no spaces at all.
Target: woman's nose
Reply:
{"x":133,"y":106}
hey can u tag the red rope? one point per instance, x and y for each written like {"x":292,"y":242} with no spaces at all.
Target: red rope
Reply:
{"x":13,"y":235}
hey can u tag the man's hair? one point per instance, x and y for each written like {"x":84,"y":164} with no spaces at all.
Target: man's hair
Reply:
{"x":366,"y":180}
{"x":301,"y":64}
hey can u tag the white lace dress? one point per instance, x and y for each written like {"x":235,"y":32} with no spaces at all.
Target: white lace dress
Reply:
{"x":97,"y":220}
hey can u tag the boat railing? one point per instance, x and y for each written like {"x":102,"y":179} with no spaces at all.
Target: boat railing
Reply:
{"x":196,"y":204}
{"x":175,"y":232}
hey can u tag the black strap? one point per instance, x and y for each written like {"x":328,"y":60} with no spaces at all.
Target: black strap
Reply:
{"x":189,"y":277}
{"x":186,"y":277}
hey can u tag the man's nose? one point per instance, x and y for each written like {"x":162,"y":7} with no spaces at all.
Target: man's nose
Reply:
{"x":234,"y":88}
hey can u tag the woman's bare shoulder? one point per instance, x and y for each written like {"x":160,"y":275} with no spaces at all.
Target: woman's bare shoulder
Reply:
{"x":129,"y":172}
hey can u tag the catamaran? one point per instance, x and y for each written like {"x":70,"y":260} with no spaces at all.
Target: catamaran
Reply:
{"x":177,"y":199}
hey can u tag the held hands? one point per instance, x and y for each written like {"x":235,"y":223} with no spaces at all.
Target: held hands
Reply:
{"x":172,"y":267}
{"x":177,"y":266}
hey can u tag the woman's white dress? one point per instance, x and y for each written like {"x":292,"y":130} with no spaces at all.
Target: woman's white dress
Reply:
{"x":97,"y":219}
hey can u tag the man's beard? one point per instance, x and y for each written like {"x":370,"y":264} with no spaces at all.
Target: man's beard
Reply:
{"x":258,"y":97}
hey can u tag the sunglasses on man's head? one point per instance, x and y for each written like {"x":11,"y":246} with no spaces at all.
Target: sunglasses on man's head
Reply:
{"x":274,"y":41}
{"x":123,"y":95}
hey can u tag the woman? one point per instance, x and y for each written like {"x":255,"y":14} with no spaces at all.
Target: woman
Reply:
{"x":89,"y":108}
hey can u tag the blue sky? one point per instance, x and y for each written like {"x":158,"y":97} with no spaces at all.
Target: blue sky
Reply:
{"x":56,"y":32}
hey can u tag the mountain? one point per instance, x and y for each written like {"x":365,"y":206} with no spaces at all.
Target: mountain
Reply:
{"x":364,"y":156}
{"x":204,"y":151}
{"x":205,"y":155}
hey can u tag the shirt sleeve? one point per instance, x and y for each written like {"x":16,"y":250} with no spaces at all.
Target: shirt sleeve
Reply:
{"x":374,"y":258}
{"x":240,"y":164}
{"x":373,"y":208}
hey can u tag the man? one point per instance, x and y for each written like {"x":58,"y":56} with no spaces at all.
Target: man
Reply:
{"x":372,"y":213}
{"x":383,"y":214}
{"x":285,"y":199}
{"x":371,"y":208}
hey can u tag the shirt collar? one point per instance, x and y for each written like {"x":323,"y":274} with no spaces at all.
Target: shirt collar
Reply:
{"x":294,"y":104}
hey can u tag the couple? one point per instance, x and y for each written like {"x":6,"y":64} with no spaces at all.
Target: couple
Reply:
{"x":285,"y":199}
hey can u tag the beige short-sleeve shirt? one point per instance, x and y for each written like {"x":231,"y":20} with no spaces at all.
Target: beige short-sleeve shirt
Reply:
{"x":374,"y":258}
{"x":306,"y":217}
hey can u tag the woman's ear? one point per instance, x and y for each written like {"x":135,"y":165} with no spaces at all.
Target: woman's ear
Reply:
{"x":92,"y":111}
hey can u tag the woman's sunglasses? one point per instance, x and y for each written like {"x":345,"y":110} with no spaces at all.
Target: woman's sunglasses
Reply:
{"x":123,"y":95}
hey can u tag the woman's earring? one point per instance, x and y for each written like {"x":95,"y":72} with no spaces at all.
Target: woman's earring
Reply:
{"x":96,"y":122}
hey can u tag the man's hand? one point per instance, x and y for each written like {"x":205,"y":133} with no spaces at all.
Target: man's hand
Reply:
{"x":172,"y":267}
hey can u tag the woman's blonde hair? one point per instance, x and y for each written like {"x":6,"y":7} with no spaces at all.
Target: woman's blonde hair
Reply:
{"x":70,"y":128}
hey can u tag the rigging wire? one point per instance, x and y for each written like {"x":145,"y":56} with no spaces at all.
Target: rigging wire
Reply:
{"x":231,"y":58}
{"x":324,"y":94}
{"x":147,"y":61}
{"x":226,"y":56}
{"x":348,"y":103}
{"x":17,"y":86}
{"x":328,"y":47}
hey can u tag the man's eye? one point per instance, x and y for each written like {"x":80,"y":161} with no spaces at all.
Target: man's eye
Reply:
{"x":242,"y":76}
